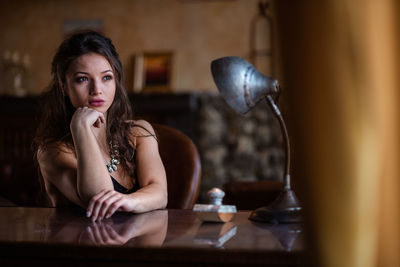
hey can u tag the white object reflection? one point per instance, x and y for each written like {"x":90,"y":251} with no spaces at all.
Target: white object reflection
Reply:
{"x":214,"y":234}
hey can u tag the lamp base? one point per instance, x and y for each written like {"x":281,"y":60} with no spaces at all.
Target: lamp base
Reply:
{"x":284,"y":209}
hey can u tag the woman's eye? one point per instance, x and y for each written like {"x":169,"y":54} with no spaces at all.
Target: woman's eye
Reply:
{"x":81,"y":79}
{"x":107,"y":77}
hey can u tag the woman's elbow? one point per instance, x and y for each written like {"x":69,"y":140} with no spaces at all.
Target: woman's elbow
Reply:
{"x":84,"y":199}
{"x":164,"y":200}
{"x":86,"y":196}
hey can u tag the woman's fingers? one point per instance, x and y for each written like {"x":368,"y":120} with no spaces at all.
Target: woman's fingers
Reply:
{"x":94,"y":234}
{"x":97,"y":202}
{"x":102,"y":203}
{"x":97,"y":123}
{"x":91,"y":234}
{"x":102,"y":233}
{"x":100,"y":238}
{"x":89,"y":210}
{"x":102,"y":118}
{"x":114,"y":207}
{"x":88,"y":115}
{"x":108,"y":203}
{"x":113,"y":234}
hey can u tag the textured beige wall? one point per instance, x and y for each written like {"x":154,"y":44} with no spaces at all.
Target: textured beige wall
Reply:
{"x":196,"y":31}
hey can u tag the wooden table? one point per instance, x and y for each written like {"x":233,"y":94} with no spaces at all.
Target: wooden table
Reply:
{"x":57,"y":237}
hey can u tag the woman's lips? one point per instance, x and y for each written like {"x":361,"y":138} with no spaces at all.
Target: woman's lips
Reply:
{"x":96,"y":103}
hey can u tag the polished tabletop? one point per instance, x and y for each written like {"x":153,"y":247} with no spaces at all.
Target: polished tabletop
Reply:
{"x":161,"y":235}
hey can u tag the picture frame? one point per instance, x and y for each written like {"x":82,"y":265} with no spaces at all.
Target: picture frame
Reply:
{"x":152,"y":72}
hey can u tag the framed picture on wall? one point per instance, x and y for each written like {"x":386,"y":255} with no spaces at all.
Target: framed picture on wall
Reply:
{"x":152,"y":72}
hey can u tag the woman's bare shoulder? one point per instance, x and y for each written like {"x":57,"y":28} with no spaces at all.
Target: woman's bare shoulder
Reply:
{"x":141,"y":128}
{"x":56,"y":155}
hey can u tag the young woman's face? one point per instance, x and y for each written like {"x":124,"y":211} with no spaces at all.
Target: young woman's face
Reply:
{"x":90,"y":82}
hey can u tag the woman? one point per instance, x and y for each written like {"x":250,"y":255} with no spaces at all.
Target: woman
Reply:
{"x":90,"y":152}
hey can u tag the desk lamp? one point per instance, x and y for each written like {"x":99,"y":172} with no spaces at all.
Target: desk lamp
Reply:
{"x":242,"y":87}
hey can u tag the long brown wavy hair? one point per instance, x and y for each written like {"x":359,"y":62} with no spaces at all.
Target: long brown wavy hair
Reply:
{"x":57,"y":109}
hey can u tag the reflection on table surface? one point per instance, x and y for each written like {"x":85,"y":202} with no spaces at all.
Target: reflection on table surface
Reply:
{"x":71,"y":226}
{"x":159,"y":228}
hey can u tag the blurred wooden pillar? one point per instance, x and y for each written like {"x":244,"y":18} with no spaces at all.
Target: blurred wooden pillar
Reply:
{"x":340,"y":62}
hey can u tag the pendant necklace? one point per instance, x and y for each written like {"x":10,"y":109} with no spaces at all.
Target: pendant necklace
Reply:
{"x":114,"y":154}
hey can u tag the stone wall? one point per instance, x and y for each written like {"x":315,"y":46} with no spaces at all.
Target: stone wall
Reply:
{"x":234,"y":147}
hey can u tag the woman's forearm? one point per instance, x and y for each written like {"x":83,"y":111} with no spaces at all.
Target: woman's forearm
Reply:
{"x":92,"y":175}
{"x":151,"y":197}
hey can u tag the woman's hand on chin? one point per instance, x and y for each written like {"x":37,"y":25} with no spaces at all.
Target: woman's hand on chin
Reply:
{"x":87,"y":116}
{"x":107,"y":202}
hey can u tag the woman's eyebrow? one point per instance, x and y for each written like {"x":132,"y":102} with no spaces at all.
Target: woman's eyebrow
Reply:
{"x":86,"y":73}
{"x":81,"y":72}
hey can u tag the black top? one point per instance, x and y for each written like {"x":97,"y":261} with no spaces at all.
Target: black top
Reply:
{"x":121,"y":189}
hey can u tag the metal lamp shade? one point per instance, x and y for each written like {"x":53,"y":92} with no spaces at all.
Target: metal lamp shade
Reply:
{"x":240,"y":83}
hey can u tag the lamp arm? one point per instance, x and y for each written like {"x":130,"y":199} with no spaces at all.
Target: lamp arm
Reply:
{"x":282,"y":124}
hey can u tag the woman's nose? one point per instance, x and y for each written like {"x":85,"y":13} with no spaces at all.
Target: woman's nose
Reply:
{"x":95,"y":87}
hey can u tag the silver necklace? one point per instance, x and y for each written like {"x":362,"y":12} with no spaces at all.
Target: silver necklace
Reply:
{"x":114,"y":154}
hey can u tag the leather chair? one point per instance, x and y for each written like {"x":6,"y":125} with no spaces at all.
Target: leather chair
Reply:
{"x":182,"y":165}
